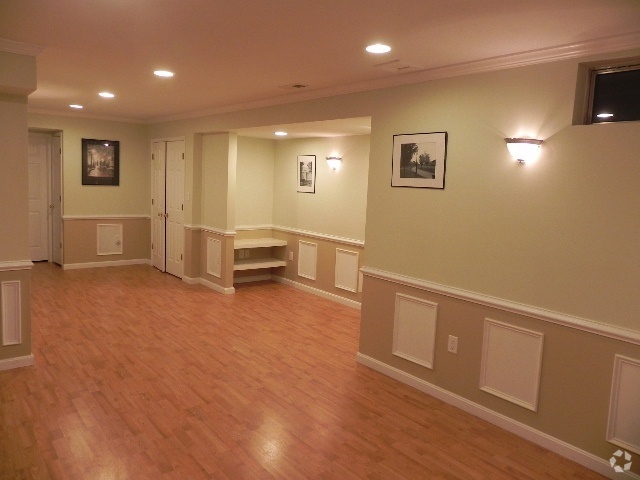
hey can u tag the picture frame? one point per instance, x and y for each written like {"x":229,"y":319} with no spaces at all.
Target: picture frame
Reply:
{"x":419,"y":160}
{"x":306,"y":173}
{"x":100,"y":162}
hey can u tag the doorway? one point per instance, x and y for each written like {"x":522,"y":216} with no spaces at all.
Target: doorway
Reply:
{"x":167,"y":206}
{"x":45,"y":197}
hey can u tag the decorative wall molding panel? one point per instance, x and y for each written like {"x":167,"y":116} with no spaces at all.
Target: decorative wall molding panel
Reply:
{"x":618,"y":333}
{"x":623,"y":428}
{"x":109,"y":239}
{"x":214,"y":255}
{"x":346,"y":270}
{"x":11,"y":313}
{"x":414,"y":329}
{"x":307,"y":259}
{"x":511,"y":363}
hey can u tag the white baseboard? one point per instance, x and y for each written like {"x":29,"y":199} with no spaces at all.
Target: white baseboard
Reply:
{"x":540,"y":438}
{"x":208,"y":284}
{"x":17,"y":362}
{"x":109,"y":263}
{"x":317,"y":291}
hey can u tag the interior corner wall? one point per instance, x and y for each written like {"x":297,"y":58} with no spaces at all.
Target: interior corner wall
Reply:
{"x":255,"y":181}
{"x":217,"y":182}
{"x":14,"y":179}
{"x":338,"y":206}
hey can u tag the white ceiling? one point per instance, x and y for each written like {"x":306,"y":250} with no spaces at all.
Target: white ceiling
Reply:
{"x":232,"y":54}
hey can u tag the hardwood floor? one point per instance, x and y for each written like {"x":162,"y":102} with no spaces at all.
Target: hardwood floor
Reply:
{"x":141,"y":376}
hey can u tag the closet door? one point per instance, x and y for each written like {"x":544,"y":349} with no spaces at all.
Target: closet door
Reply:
{"x":167,"y":209}
{"x":175,"y":208}
{"x":158,"y":159}
{"x":39,"y":147}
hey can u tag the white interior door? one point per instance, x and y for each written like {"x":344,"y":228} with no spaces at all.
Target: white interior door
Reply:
{"x":175,"y":208}
{"x":158,"y":161}
{"x":167,"y":213}
{"x":39,"y":146}
{"x":56,"y":200}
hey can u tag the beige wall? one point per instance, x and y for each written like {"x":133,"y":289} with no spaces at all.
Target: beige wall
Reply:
{"x":14,"y":178}
{"x":255,"y":181}
{"x":338,"y":206}
{"x":17,"y":80}
{"x":80,"y":245}
{"x":132,"y":196}
{"x":217,"y":180}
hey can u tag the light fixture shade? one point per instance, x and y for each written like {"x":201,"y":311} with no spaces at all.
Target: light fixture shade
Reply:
{"x":523,"y":149}
{"x":334,"y":162}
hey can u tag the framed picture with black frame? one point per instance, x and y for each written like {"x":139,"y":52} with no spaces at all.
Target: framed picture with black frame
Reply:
{"x":419,"y":160}
{"x":306,"y":173}
{"x":100,"y":162}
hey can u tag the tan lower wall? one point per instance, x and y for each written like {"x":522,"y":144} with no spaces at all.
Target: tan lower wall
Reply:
{"x":24,"y":348}
{"x":575,"y":379}
{"x":192,"y":254}
{"x":80,"y":240}
{"x":226,"y":278}
{"x":326,"y":261}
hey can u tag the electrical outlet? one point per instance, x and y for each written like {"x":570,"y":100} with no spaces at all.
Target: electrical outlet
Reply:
{"x":452,"y":344}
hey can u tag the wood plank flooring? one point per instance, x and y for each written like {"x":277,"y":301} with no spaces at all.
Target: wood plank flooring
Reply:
{"x":141,"y":376}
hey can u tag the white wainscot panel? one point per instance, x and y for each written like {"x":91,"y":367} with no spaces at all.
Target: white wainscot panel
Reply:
{"x":11,"y":313}
{"x":624,"y":409}
{"x":414,"y":331}
{"x":307,"y":259}
{"x":511,"y":363}
{"x":109,"y":239}
{"x":214,"y":252}
{"x":346,"y":270}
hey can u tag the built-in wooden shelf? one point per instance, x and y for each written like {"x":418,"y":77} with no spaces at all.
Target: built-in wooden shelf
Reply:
{"x":255,"y":263}
{"x":258,"y":243}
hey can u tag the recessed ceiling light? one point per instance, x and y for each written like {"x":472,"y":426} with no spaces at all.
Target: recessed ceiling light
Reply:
{"x":281,"y":134}
{"x":378,"y":48}
{"x":75,"y":105}
{"x":163,"y":73}
{"x":106,"y":94}
{"x":604,"y":115}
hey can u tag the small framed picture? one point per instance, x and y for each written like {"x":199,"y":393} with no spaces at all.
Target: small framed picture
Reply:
{"x":100,"y":162}
{"x":419,"y":160}
{"x":307,"y":173}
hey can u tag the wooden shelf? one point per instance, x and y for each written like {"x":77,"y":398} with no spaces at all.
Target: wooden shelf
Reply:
{"x":258,"y":243}
{"x":255,"y":263}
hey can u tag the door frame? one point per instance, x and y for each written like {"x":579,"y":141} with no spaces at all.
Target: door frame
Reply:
{"x":50,"y":134}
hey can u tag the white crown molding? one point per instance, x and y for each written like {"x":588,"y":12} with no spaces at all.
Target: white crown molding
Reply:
{"x":10,"y":46}
{"x":105,"y":217}
{"x":13,"y":266}
{"x":76,"y":114}
{"x":591,"y":326}
{"x":579,"y":49}
{"x":246,"y":228}
{"x":321,"y":236}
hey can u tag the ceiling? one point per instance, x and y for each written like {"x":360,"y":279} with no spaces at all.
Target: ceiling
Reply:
{"x":234,"y":54}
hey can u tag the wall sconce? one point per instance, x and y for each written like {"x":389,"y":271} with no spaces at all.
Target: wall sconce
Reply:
{"x":523,"y":149}
{"x":334,"y":162}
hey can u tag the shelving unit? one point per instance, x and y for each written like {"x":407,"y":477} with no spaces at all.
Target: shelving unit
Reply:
{"x":256,"y":263}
